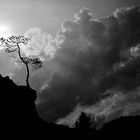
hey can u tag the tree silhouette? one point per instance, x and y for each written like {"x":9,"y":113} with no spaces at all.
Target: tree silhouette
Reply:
{"x":13,"y":48}
{"x":83,"y":121}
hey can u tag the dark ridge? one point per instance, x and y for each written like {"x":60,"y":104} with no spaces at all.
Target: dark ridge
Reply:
{"x":125,"y":126}
{"x":17,"y":105}
{"x":18,"y":115}
{"x":18,"y":110}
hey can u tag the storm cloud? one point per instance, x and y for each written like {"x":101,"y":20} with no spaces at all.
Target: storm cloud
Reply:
{"x":88,"y":58}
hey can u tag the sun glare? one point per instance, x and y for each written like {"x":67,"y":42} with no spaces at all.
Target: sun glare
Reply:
{"x":5,"y":31}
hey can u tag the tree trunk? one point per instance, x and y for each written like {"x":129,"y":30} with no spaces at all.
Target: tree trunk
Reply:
{"x":27,"y":67}
{"x":27,"y":77}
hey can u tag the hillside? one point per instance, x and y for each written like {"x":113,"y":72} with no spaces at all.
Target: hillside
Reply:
{"x":18,"y":112}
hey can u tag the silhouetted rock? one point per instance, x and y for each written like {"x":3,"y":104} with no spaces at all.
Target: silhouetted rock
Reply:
{"x":18,"y":111}
{"x":17,"y":104}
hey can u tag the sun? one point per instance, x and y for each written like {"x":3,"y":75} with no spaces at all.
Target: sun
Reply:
{"x":5,"y":31}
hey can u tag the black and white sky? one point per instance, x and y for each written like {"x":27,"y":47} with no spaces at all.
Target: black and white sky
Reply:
{"x":18,"y":16}
{"x":90,"y":55}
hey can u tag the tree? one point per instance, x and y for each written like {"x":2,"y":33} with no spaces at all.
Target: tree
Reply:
{"x":83,"y":121}
{"x":13,"y":48}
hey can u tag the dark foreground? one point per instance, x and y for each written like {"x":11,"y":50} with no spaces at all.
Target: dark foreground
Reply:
{"x":19,"y":119}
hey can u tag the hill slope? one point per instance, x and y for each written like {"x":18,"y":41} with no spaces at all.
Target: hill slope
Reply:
{"x":18,"y":111}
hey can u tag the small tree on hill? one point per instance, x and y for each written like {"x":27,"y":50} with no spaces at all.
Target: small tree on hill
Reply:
{"x":12,"y":47}
{"x":83,"y":121}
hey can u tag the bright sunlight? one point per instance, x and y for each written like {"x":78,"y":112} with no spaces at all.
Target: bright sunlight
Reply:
{"x":5,"y":31}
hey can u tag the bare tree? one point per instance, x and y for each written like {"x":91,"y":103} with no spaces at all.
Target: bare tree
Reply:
{"x":13,"y":48}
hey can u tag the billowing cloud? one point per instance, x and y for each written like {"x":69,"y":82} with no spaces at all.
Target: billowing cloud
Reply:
{"x":88,"y":58}
{"x":40,"y":44}
{"x":116,"y":105}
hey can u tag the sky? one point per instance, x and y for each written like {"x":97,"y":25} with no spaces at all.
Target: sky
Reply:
{"x":18,"y":16}
{"x":21,"y":15}
{"x":85,"y":56}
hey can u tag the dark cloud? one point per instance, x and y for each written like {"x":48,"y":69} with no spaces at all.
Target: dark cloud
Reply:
{"x":117,"y":104}
{"x":94,"y":56}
